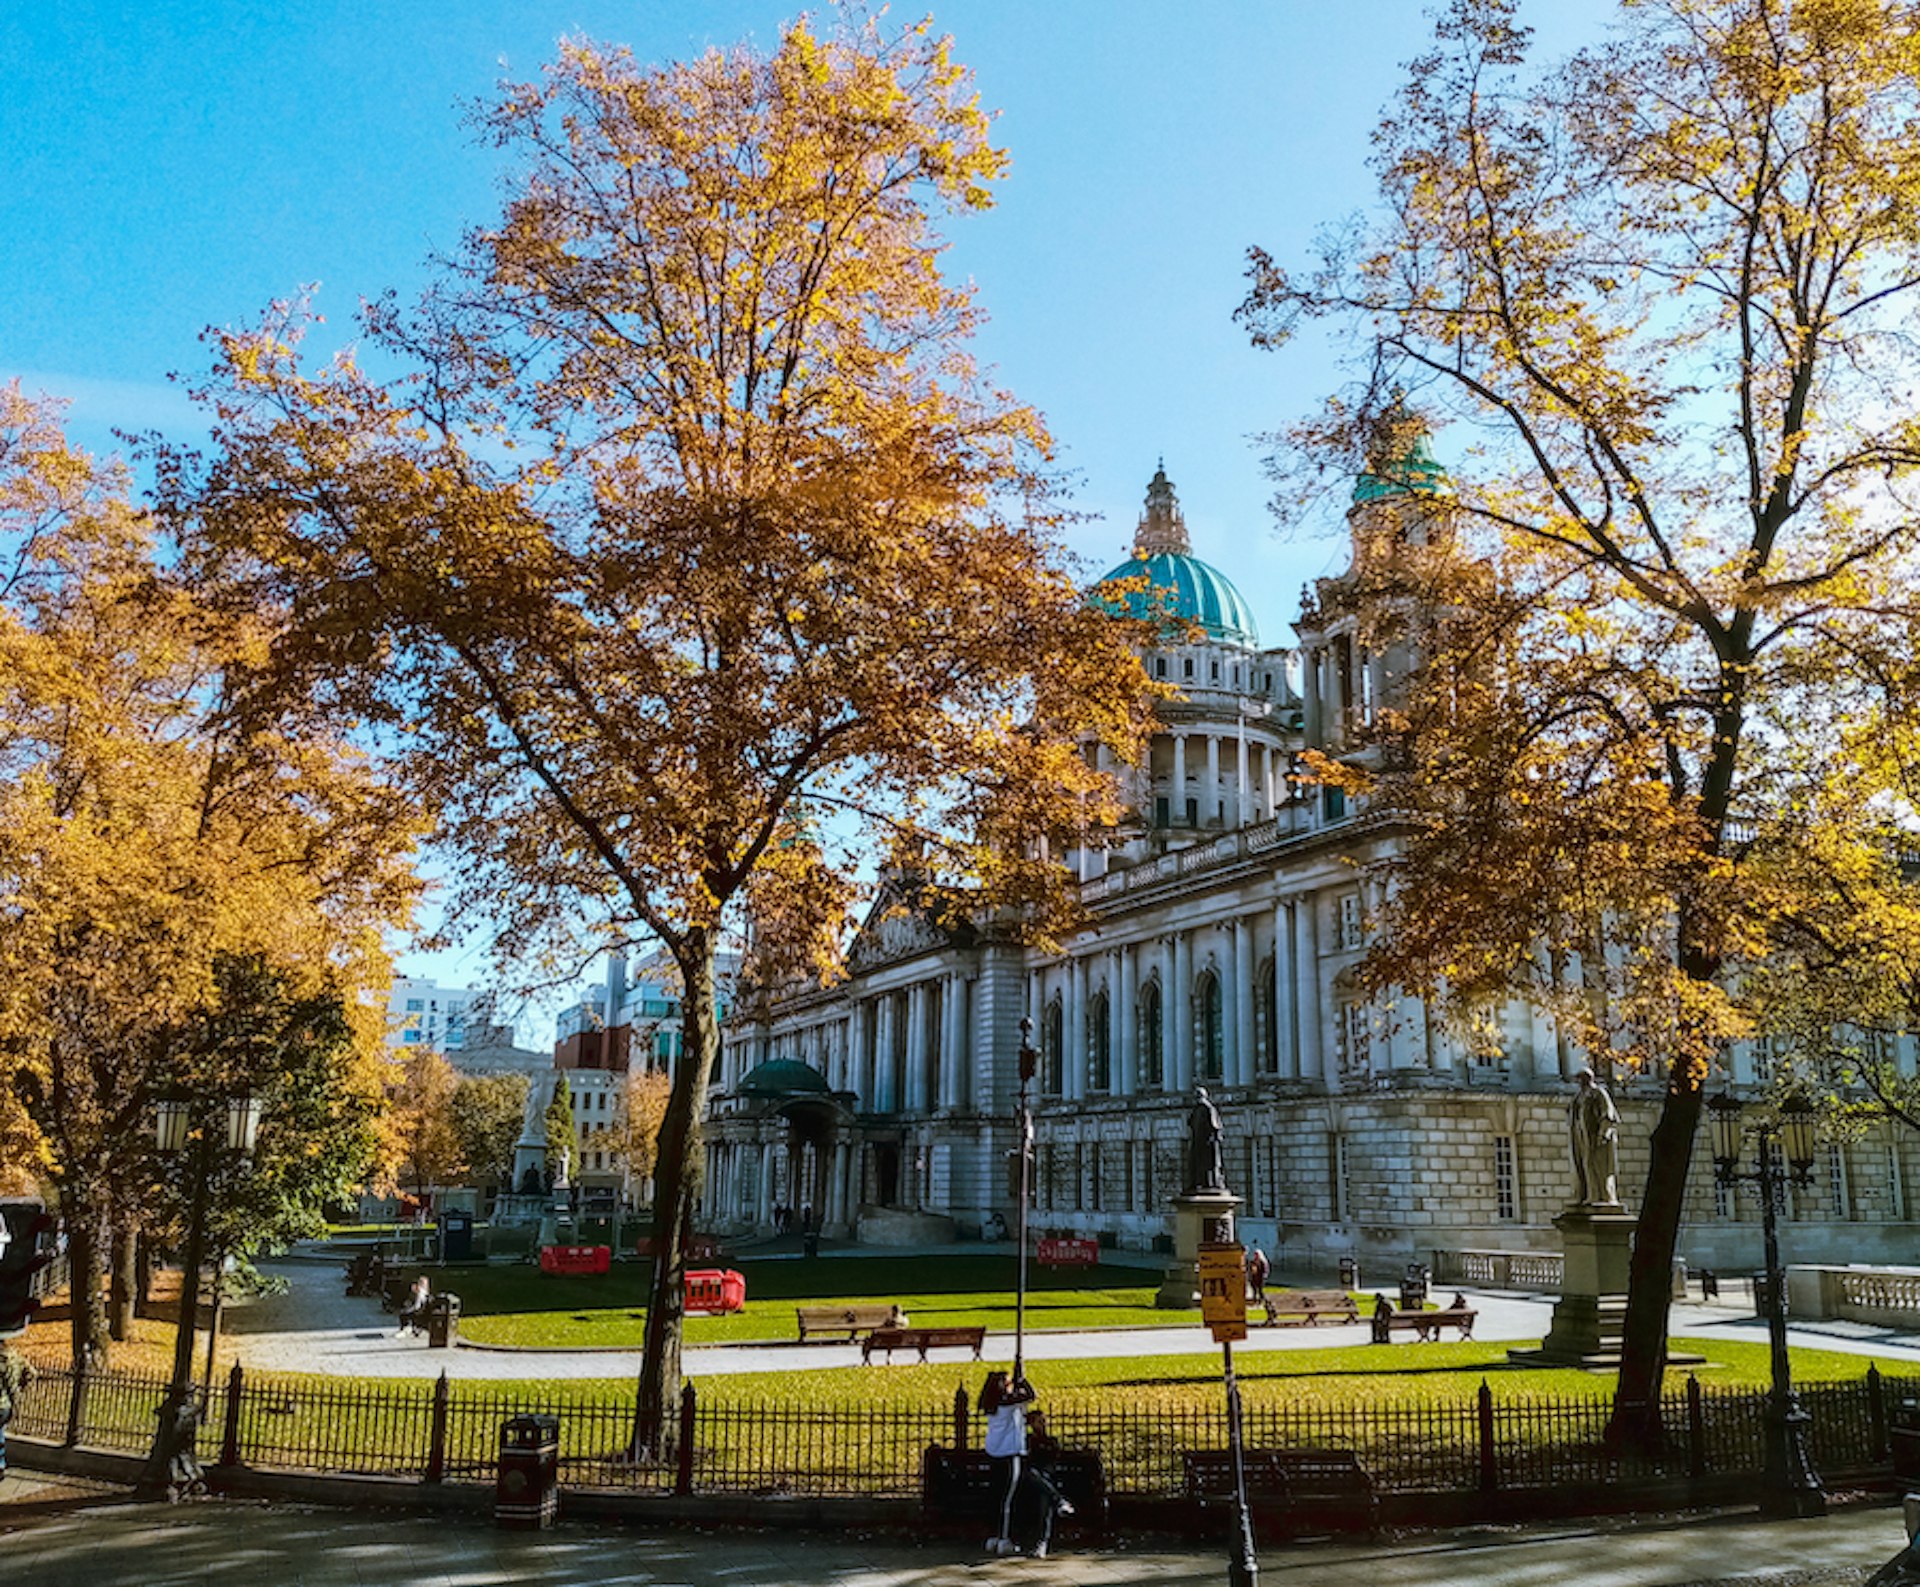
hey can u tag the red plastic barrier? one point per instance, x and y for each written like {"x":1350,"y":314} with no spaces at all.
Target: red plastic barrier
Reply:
{"x":569,"y":1259}
{"x":713,"y":1289}
{"x":1069,"y":1253}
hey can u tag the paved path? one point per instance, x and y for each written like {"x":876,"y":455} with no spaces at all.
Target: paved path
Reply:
{"x":315,"y":1328}
{"x":215,"y":1543}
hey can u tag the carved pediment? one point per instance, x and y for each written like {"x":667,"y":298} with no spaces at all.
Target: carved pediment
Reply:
{"x":895,"y":928}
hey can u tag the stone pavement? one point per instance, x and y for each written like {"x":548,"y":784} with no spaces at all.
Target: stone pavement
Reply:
{"x":315,"y":1328}
{"x":220,"y":1542}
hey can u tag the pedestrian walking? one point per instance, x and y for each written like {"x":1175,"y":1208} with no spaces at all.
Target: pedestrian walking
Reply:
{"x":1258,"y":1267}
{"x":16,"y":1372}
{"x":1004,"y":1404}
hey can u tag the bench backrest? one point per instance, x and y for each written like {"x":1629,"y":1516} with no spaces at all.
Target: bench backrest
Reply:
{"x":848,"y":1316}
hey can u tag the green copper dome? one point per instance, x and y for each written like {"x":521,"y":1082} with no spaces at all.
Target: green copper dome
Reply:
{"x":782,"y":1077}
{"x":1400,"y":461}
{"x":1187,"y":590}
{"x":1183,"y":587}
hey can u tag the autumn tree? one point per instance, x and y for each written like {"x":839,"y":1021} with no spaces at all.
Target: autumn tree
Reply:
{"x":693,"y":551}
{"x":488,"y":1114}
{"x":425,"y":1144}
{"x":563,"y":1130}
{"x":643,"y":1112}
{"x":144,"y":836}
{"x":1669,"y":284}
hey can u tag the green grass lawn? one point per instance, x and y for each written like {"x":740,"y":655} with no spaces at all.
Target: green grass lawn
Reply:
{"x":522,"y":1306}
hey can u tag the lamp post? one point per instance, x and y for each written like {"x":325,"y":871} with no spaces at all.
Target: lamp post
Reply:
{"x":1790,"y":1487}
{"x":181,"y":1125}
{"x":1023,"y":1122}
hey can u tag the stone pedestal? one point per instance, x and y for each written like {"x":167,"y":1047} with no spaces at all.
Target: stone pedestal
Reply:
{"x":1198,"y":1217}
{"x":1589,"y":1319}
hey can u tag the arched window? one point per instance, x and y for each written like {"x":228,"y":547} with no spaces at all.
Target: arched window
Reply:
{"x":1053,"y":1044}
{"x":1270,"y":1008}
{"x":1099,"y":1045}
{"x":1212,"y":1028}
{"x":1152,"y":1061}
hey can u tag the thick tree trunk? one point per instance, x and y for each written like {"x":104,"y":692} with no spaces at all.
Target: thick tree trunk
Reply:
{"x":142,"y":1274}
{"x":679,"y":1174}
{"x":86,"y":1255}
{"x":124,"y":1282}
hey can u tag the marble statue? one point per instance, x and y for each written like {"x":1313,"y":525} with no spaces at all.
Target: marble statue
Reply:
{"x":1593,"y":1128}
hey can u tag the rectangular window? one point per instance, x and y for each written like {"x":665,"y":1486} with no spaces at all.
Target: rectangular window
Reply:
{"x":416,"y":1005}
{"x":1837,"y":1183}
{"x":1505,"y":1192}
{"x":1339,"y":1191}
{"x":1351,"y":931}
{"x":1096,"y":1153}
{"x":1722,"y":1198}
{"x":1356,"y":1039}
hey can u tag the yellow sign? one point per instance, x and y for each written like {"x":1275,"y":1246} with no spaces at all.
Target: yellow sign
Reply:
{"x":1229,"y":1333}
{"x":1223,"y":1288}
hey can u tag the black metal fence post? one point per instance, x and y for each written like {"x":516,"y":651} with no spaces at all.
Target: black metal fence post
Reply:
{"x":230,"y":1432}
{"x":1696,"y":1429}
{"x":437,"y":1447}
{"x":1876,"y":1412}
{"x":77,"y":1402}
{"x":960,"y":1418}
{"x":1489,"y":1464}
{"x":683,"y":1456}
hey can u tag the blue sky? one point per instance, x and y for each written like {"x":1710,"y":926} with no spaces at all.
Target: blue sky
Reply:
{"x":178,"y":165}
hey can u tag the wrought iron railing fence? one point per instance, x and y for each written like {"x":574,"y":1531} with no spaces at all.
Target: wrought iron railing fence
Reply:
{"x":444,"y":1431}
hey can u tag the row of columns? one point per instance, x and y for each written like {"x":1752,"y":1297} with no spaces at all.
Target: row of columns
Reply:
{"x":1342,"y":684}
{"x":1256,"y":792}
{"x":909,"y":1048}
{"x":746,"y":1179}
{"x":1299,"y":1048}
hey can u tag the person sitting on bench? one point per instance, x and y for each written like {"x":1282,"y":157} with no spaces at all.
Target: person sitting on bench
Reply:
{"x":413,"y":1315}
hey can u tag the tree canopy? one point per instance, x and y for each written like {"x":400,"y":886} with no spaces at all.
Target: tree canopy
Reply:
{"x":1668,"y":285}
{"x":692,"y":555}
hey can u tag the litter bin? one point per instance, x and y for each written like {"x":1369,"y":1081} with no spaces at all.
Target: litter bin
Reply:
{"x":1903,"y":1436}
{"x":1349,"y":1273}
{"x":456,"y":1237}
{"x":526,"y":1489}
{"x":1762,"y":1294}
{"x":1413,"y":1287}
{"x":443,"y":1321}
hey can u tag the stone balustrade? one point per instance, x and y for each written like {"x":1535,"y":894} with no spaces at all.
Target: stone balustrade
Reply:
{"x":1887,"y":1296}
{"x":1528,"y":1270}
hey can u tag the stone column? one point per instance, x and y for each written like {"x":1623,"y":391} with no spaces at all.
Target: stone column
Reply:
{"x":1118,"y":1008}
{"x":1376,"y":682}
{"x":763,"y":1186}
{"x":859,"y":1065}
{"x":1178,"y":804}
{"x":885,"y":1099}
{"x":1317,"y":1055}
{"x":1286,"y":1050}
{"x":1211,"y":795}
{"x":917,"y":1047}
{"x":1127,"y":1048}
{"x":1241,"y":1070}
{"x":1073,"y":1073}
{"x":1181,"y":1002}
{"x":1311,"y":725}
{"x":1167,"y":971}
{"x":1243,"y":811}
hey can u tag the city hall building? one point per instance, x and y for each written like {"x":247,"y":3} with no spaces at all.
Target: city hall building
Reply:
{"x":1219,"y":953}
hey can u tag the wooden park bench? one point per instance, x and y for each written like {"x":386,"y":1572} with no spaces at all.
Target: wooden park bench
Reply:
{"x":921,"y":1339}
{"x":956,"y":1485}
{"x":852,"y":1322}
{"x":1296,"y":1308}
{"x":1296,"y":1492}
{"x":1426,"y":1324}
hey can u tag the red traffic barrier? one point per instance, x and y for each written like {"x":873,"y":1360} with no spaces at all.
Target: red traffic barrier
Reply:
{"x":570,"y":1259}
{"x":713,"y":1289}
{"x":1069,"y":1253}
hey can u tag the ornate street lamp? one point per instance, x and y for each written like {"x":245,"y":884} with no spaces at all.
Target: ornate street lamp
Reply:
{"x":1023,"y":1123}
{"x":1790,"y":1487}
{"x":180,"y":1125}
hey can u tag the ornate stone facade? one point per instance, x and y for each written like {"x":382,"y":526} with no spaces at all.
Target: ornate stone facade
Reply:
{"x":1223,"y":937}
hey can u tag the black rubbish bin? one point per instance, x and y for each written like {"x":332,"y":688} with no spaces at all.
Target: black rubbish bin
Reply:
{"x":1413,"y":1287}
{"x":526,"y":1490}
{"x":1762,"y":1294}
{"x":443,"y":1321}
{"x":456,"y":1237}
{"x":1903,"y":1438}
{"x":1349,"y":1273}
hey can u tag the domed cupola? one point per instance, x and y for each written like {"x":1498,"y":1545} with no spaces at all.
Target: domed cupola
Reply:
{"x":1185,"y":589}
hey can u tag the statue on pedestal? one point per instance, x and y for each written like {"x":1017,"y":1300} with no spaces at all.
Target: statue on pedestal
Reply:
{"x":1206,"y":1149}
{"x":1593,"y":1129}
